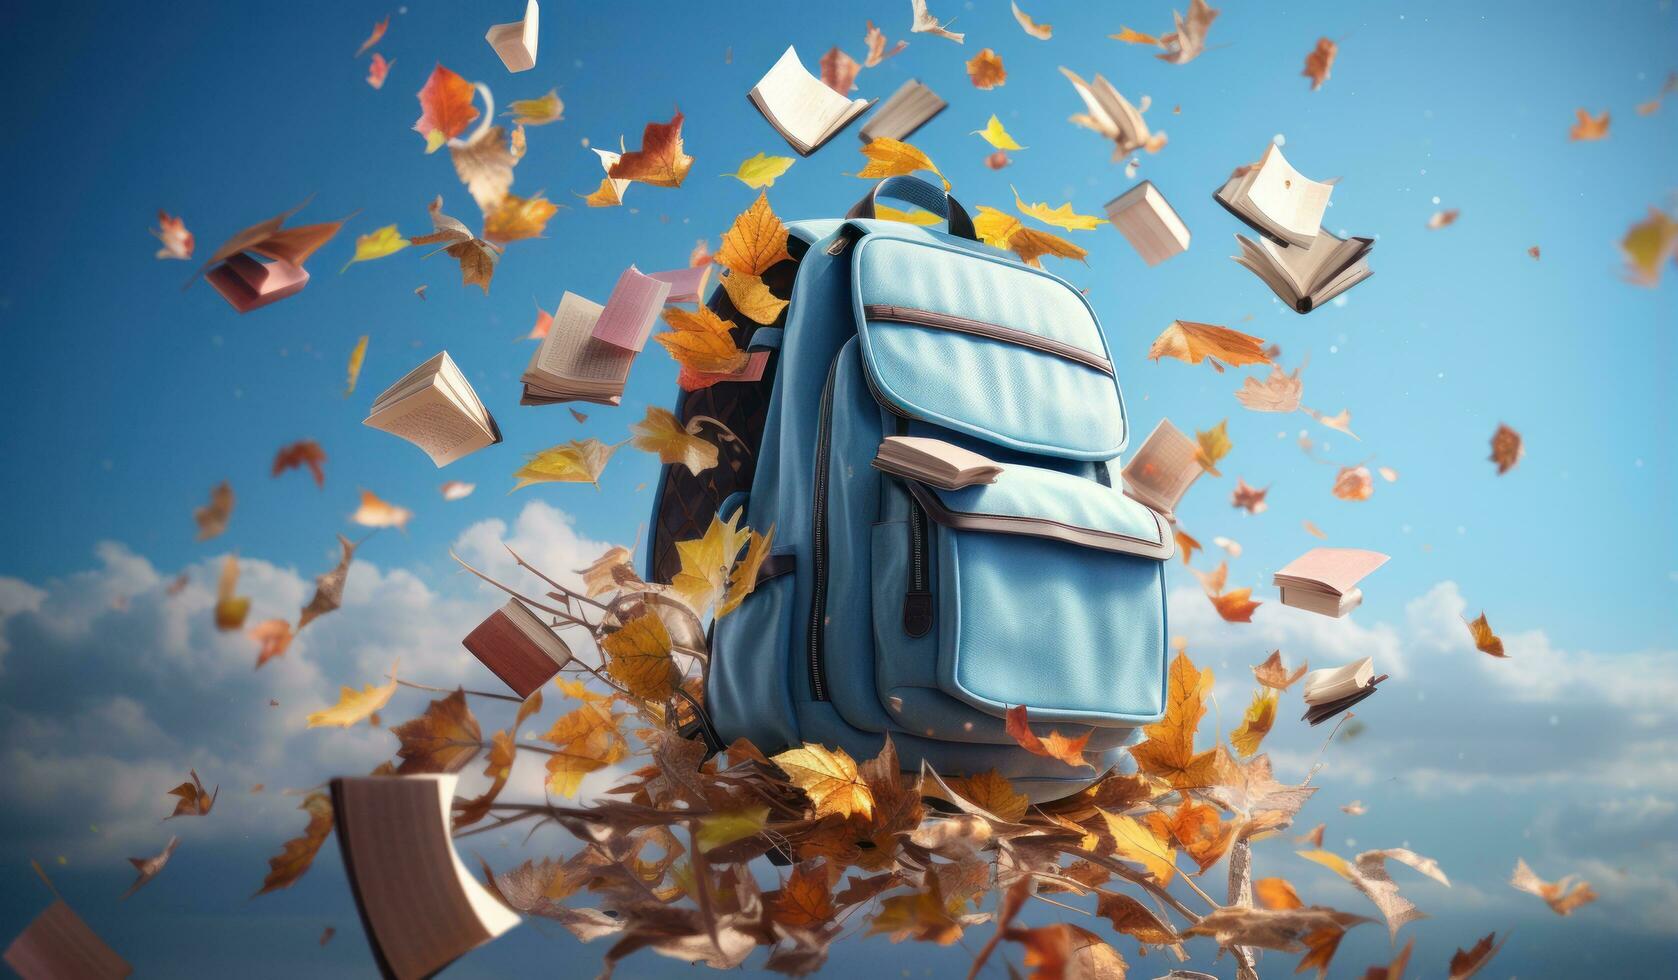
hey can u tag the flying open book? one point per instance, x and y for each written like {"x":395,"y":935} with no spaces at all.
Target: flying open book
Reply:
{"x":571,"y":365}
{"x":1162,"y":470}
{"x":518,"y":648}
{"x":58,"y":945}
{"x":800,"y":107}
{"x":1324,"y":580}
{"x":909,"y":108}
{"x":1112,"y":115}
{"x":515,"y":43}
{"x":1276,"y":200}
{"x":435,"y":408}
{"x":632,"y":309}
{"x":1148,"y":221}
{"x":420,"y":907}
{"x":1331,"y":691}
{"x":264,"y":263}
{"x":1307,"y":276}
{"x":944,"y":465}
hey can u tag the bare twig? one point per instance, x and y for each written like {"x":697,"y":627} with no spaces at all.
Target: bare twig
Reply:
{"x":451,"y":690}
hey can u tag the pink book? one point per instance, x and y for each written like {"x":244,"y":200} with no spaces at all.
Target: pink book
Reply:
{"x":757,"y":360}
{"x":627,"y":321}
{"x":248,"y":284}
{"x":686,"y":285}
{"x":1332,"y":570}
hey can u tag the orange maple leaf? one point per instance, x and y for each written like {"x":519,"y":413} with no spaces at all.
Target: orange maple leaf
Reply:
{"x":660,"y":161}
{"x":1168,"y":750}
{"x":1056,"y":746}
{"x":446,"y":108}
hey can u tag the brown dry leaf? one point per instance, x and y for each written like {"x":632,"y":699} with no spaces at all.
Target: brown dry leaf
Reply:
{"x":661,"y":433}
{"x":230,"y":609}
{"x":752,"y":298}
{"x":991,"y":791}
{"x":1278,"y":392}
{"x":1313,"y":530}
{"x":444,"y":739}
{"x":829,"y":777}
{"x":149,"y":867}
{"x":1314,"y":838}
{"x":875,"y":39}
{"x":577,"y":461}
{"x":1587,"y":128}
{"x":985,"y":70}
{"x":701,"y":341}
{"x":743,"y":580}
{"x":1485,"y":640}
{"x":705,"y":563}
{"x":839,"y":71}
{"x":1279,"y":929}
{"x":1193,"y":342}
{"x":485,"y":165}
{"x":1187,"y":545}
{"x":638,"y":657}
{"x":1442,"y":219}
{"x":476,"y":256}
{"x":1212,"y":445}
{"x":1134,"y":919}
{"x":354,"y":706}
{"x":329,"y":587}
{"x":299,"y":853}
{"x":1276,"y":893}
{"x":1189,"y":39}
{"x":1200,"y":830}
{"x":1273,"y":675}
{"x":1066,"y":952}
{"x":1143,"y":843}
{"x":1506,"y":448}
{"x":1319,"y":61}
{"x":1003,"y":230}
{"x":660,"y":161}
{"x":894,"y":158}
{"x":1041,"y":32}
{"x":1339,"y":423}
{"x":1354,"y":483}
{"x":1256,"y":724}
{"x":1394,"y":970}
{"x":1249,"y":499}
{"x":805,"y":900}
{"x":194,"y":802}
{"x":212,"y":518}
{"x":1055,"y":746}
{"x":306,"y":452}
{"x":756,"y":241}
{"x":1563,"y":896}
{"x":273,"y":637}
{"x":925,"y":23}
{"x":1467,"y":962}
{"x":517,"y":218}
{"x":1369,"y":875}
{"x":1168,"y":749}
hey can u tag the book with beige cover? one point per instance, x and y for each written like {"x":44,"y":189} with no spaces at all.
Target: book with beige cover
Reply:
{"x":435,"y":408}
{"x":422,"y":909}
{"x":1324,"y":580}
{"x":58,"y":945}
{"x":801,"y":107}
{"x":571,"y":365}
{"x":518,"y":648}
{"x":1163,"y":469}
{"x":1148,"y":221}
{"x":944,"y":465}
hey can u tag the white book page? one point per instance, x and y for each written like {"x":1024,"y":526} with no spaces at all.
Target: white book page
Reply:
{"x":409,"y":383}
{"x":434,"y":422}
{"x":1287,"y":198}
{"x":798,"y":102}
{"x":570,"y":352}
{"x":454,"y":381}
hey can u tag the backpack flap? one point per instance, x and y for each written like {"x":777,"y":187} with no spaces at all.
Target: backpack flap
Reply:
{"x":985,"y":346}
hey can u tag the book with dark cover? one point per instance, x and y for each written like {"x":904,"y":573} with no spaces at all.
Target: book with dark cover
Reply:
{"x":518,"y":648}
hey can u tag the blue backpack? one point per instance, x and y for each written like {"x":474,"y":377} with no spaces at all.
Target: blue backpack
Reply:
{"x":892,"y":607}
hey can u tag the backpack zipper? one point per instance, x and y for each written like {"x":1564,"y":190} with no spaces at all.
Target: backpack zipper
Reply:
{"x":917,"y":602}
{"x":990,"y":331}
{"x":818,"y":538}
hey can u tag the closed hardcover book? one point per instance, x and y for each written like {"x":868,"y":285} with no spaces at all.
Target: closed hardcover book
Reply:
{"x":518,"y":648}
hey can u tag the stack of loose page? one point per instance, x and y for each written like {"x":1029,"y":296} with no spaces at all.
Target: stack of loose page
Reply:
{"x":420,"y":906}
{"x":571,"y":365}
{"x":435,"y":408}
{"x":518,"y":648}
{"x":1331,"y":691}
{"x":1149,"y":223}
{"x":910,"y":107}
{"x":58,"y":945}
{"x":1302,"y":262}
{"x":944,"y":465}
{"x":1162,"y":470}
{"x":515,"y":43}
{"x":1324,"y":580}
{"x":800,"y":107}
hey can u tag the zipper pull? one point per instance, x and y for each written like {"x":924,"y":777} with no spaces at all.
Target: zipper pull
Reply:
{"x":917,"y":613}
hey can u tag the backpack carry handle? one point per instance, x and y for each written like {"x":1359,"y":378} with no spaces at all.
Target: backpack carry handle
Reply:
{"x":913,"y":190}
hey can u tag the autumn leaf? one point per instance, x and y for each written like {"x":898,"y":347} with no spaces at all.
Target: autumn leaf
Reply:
{"x":839,"y":71}
{"x":588,"y":740}
{"x":1041,"y":32}
{"x":1129,"y":36}
{"x":1313,"y":530}
{"x":1167,"y":751}
{"x":1354,"y":483}
{"x":231,"y":609}
{"x":298,"y":854}
{"x":446,"y":738}
{"x":1061,"y":217}
{"x":1485,"y":640}
{"x":378,"y":70}
{"x":1319,"y":61}
{"x":752,"y":298}
{"x":893,"y":158}
{"x":1003,"y":230}
{"x":1235,"y":605}
{"x":446,"y":108}
{"x":1506,"y":448}
{"x":805,"y":900}
{"x":537,"y":112}
{"x":354,"y":706}
{"x":660,"y":161}
{"x":926,"y":219}
{"x":1249,"y":499}
{"x":1135,"y":841}
{"x":177,"y":241}
{"x":212,"y":518}
{"x":1467,"y":962}
{"x":1647,"y":246}
{"x":992,"y":792}
{"x":1273,"y":675}
{"x":1368,"y":874}
{"x":601,"y":576}
{"x":829,"y":778}
{"x":374,"y":512}
{"x":577,"y":461}
{"x":705,"y":562}
{"x":638,"y":657}
{"x":273,"y":637}
{"x":1261,"y":715}
{"x":743,"y":579}
{"x":875,"y":40}
{"x":996,"y":136}
{"x":1193,"y":342}
{"x":756,"y":241}
{"x":985,"y":70}
{"x":456,"y":490}
{"x":1198,"y":828}
{"x":484,"y":163}
{"x":499,"y":768}
{"x":376,"y":245}
{"x":1189,"y":39}
{"x":193,"y":802}
{"x":761,"y":169}
{"x":1278,"y":392}
{"x":1276,"y":893}
{"x":1587,"y":128}
{"x":518,"y":218}
{"x":352,"y":370}
{"x":1212,"y":445}
{"x":306,"y":452}
{"x":1186,"y":544}
{"x":1394,"y":970}
{"x":476,"y":256}
{"x":661,"y":433}
{"x":701,"y":341}
{"x":375,"y":37}
{"x":148,"y":868}
{"x":922,"y":914}
{"x":1055,"y":746}
{"x":925,"y":23}
{"x":1442,"y":219}
{"x":1339,"y":423}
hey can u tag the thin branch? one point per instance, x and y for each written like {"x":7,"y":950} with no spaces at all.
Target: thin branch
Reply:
{"x":1135,"y":878}
{"x":511,"y":591}
{"x":451,"y":690}
{"x":532,"y":569}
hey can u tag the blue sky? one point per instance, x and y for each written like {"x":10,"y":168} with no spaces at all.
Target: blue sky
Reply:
{"x":130,"y":398}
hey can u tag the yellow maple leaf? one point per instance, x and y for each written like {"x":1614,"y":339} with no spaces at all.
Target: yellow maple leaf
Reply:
{"x":701,"y":341}
{"x":1135,"y":841}
{"x":1212,"y":445}
{"x":893,"y":158}
{"x":721,"y":829}
{"x":588,"y":740}
{"x":354,"y":706}
{"x":577,"y":461}
{"x":376,"y":245}
{"x":829,"y":778}
{"x":752,"y":298}
{"x":1261,"y":715}
{"x":996,"y":136}
{"x":1003,"y":230}
{"x":537,"y":112}
{"x":761,"y":170}
{"x":1193,"y":342}
{"x":705,"y":563}
{"x":1168,"y":750}
{"x":886,"y":212}
{"x":353,"y":370}
{"x":1647,"y":246}
{"x":1061,"y":217}
{"x":660,"y":432}
{"x":744,"y":578}
{"x":992,"y":791}
{"x":638,"y":657}
{"x":922,"y":914}
{"x":755,"y":242}
{"x":1485,"y":640}
{"x":519,"y":217}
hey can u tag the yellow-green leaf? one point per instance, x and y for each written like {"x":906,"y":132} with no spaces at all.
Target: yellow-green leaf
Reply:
{"x":355,"y":706}
{"x":1061,"y":217}
{"x":376,"y":245}
{"x":996,"y":136}
{"x":577,"y":461}
{"x":761,"y":170}
{"x":719,"y":829}
{"x":537,"y":112}
{"x":886,"y":212}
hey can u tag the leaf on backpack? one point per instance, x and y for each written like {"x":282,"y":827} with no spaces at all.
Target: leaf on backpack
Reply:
{"x":446,"y":108}
{"x":743,"y":580}
{"x":212,"y":518}
{"x":660,"y":161}
{"x":638,"y":657}
{"x":1193,"y":342}
{"x":1278,"y":392}
{"x":1168,"y":749}
{"x":443,"y":739}
{"x":1588,"y":128}
{"x":661,"y":433}
{"x":761,"y":170}
{"x":1136,"y":841}
{"x":992,"y":792}
{"x":1319,"y":60}
{"x":1055,"y":746}
{"x":354,"y":706}
{"x":537,"y":112}
{"x":1506,"y":449}
{"x":996,"y":136}
{"x":374,"y":512}
{"x":1003,"y":230}
{"x":1273,"y":675}
{"x":273,"y":637}
{"x":577,"y":461}
{"x":1261,"y":715}
{"x":701,"y":341}
{"x":1354,"y":483}
{"x":518,"y":218}
{"x":1485,"y":640}
{"x":1212,"y":445}
{"x":985,"y":70}
{"x":752,"y":298}
{"x":1061,"y":217}
{"x":705,"y":563}
{"x":231,"y":609}
{"x":893,"y":158}
{"x":193,"y":801}
{"x":829,"y":777}
{"x":755,"y":242}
